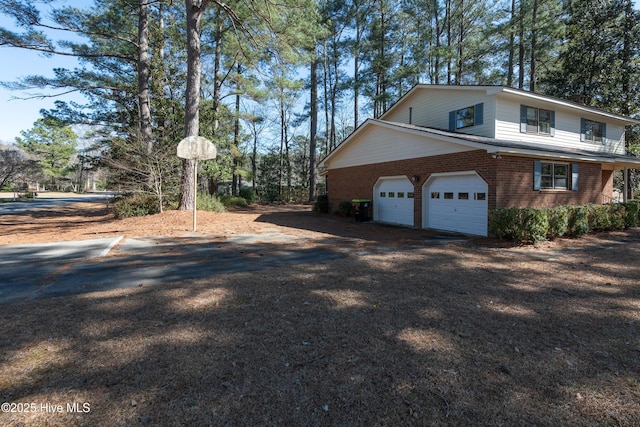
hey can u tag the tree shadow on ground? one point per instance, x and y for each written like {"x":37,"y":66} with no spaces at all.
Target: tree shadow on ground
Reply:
{"x":446,"y":335}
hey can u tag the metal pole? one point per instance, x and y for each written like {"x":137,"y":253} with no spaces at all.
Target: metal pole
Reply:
{"x":195,"y":192}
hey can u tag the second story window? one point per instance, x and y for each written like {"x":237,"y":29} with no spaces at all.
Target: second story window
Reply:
{"x":592,"y":131}
{"x":537,"y":121}
{"x":466,"y":117}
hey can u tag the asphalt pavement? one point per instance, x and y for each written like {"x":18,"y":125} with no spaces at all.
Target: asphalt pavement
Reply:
{"x":46,"y":202}
{"x":29,"y":272}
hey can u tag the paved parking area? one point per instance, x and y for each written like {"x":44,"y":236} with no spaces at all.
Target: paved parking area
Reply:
{"x":67,"y":268}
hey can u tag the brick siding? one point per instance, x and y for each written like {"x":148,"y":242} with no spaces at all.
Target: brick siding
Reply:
{"x":509,"y":179}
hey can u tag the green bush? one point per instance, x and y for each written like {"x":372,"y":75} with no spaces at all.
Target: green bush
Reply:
{"x":248,"y":195}
{"x":207,"y":202}
{"x":558,"y":218}
{"x":503,"y":222}
{"x":617,"y":214}
{"x":598,"y":216}
{"x":526,"y":225}
{"x":322,"y":204}
{"x":632,"y":213}
{"x":578,"y":221}
{"x":533,"y":225}
{"x":138,"y":204}
{"x":345,"y":209}
{"x":234,"y":202}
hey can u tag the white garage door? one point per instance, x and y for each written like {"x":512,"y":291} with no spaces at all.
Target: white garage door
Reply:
{"x":457,"y":203}
{"x":393,"y":201}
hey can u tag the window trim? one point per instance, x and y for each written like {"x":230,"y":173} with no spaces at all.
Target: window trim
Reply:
{"x":524,"y":121}
{"x":583,"y":131}
{"x":477,"y":114}
{"x":571,"y":176}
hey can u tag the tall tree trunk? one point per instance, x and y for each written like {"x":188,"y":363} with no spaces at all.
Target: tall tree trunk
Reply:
{"x":194,"y":11}
{"x":461,"y":40}
{"x":313,"y":131}
{"x":534,"y":42}
{"x":521,"y":48}
{"x":436,"y":67}
{"x":144,"y":103}
{"x":447,"y":18}
{"x":626,"y":66}
{"x":235,"y":185}
{"x":512,"y":37}
{"x":325,"y":69}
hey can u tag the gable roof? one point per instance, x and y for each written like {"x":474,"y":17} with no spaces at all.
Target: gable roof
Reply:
{"x":498,"y":89}
{"x":490,"y":145}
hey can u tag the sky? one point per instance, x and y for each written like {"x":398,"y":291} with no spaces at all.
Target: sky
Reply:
{"x":19,"y":114}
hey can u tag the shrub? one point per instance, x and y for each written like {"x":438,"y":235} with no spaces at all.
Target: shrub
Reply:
{"x":207,"y":202}
{"x":526,"y":225}
{"x":138,"y":204}
{"x":617,"y":214}
{"x":503,"y":222}
{"x":577,"y":221}
{"x":598,"y":217}
{"x":345,"y":209}
{"x":322,"y":204}
{"x":248,"y":195}
{"x":234,"y":201}
{"x":632,"y":213}
{"x":533,"y":225}
{"x":558,"y":218}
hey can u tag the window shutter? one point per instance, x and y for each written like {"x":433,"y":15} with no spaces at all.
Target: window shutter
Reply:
{"x":478,"y":110}
{"x":537,"y":174}
{"x":452,"y":120}
{"x":604,"y":133}
{"x":574,"y":176}
{"x":523,"y":118}
{"x":552,"y":131}
{"x":583,"y":129}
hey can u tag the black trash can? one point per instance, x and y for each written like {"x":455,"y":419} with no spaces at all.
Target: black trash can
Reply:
{"x":361,"y":209}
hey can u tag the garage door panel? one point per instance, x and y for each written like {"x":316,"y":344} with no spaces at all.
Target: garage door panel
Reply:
{"x":457,"y":203}
{"x":393,"y":201}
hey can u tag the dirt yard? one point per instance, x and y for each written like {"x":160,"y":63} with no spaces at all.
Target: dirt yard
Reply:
{"x":406,"y":328}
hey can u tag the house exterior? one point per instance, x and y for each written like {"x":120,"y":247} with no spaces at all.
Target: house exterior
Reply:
{"x":443,"y":156}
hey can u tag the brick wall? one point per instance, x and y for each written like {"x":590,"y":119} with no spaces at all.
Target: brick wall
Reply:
{"x":515,"y":178}
{"x":509,"y":179}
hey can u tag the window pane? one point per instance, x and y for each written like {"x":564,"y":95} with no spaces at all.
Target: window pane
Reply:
{"x":545,"y":128}
{"x":392,"y":194}
{"x":383,"y":194}
{"x":547,"y":168}
{"x":435,"y":195}
{"x":560,"y":170}
{"x":400,"y":194}
{"x":464,"y":117}
{"x":546,"y":182}
{"x":544,"y":116}
{"x":480,"y":196}
{"x":410,"y":195}
{"x":448,"y":196}
{"x":597,"y":132}
{"x":463,"y":196}
{"x":561,"y":183}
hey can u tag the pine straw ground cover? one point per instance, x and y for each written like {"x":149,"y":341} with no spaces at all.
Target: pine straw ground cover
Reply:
{"x":401,"y":330}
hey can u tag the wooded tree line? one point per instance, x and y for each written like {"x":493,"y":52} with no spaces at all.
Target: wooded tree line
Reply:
{"x":278,"y":84}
